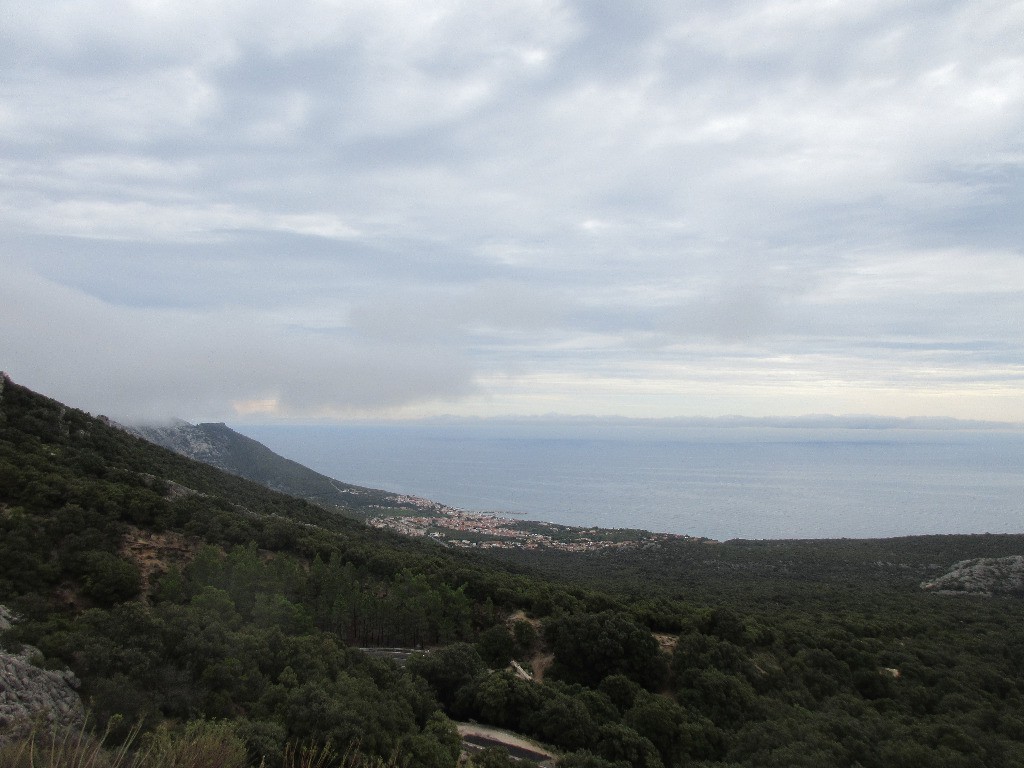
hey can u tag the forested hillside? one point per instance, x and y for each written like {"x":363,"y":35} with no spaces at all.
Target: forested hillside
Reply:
{"x":190,"y":601}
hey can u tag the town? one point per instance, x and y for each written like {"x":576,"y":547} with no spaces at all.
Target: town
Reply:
{"x":482,"y":530}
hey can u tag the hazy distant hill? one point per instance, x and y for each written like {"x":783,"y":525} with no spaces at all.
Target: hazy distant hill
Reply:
{"x":220,"y":446}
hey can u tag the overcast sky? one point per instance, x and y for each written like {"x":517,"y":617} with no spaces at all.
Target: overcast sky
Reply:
{"x":244,"y":210}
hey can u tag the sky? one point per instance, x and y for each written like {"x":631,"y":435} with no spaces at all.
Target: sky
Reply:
{"x":321,"y":211}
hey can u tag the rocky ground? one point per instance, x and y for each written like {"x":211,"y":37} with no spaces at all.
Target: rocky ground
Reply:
{"x":31,"y":696}
{"x":982,"y":576}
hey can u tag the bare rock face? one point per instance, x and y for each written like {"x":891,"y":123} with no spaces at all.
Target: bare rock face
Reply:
{"x":982,"y":576}
{"x":192,"y":440}
{"x":33,"y":696}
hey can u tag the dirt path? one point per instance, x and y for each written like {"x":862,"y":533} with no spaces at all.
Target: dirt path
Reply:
{"x":518,"y":746}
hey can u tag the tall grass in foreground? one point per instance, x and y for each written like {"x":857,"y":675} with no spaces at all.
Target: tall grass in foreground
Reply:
{"x":66,"y":748}
{"x":200,"y":744}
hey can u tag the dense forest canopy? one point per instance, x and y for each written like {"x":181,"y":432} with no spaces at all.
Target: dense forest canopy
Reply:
{"x":191,"y":601}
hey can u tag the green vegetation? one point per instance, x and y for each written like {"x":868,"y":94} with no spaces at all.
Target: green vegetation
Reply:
{"x":199,"y":608}
{"x":222,"y":447}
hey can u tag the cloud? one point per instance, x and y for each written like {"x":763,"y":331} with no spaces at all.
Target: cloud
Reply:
{"x":149,"y":363}
{"x":537,"y":206}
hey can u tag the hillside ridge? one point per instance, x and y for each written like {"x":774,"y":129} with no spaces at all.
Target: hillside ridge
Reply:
{"x":218,"y":445}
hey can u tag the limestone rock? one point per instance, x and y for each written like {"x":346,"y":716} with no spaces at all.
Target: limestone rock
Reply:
{"x":982,"y":576}
{"x":30,"y":695}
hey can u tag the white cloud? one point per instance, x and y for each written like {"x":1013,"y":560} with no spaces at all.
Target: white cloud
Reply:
{"x":339,"y":206}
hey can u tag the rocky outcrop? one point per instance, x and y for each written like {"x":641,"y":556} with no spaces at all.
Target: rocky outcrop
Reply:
{"x":32,"y":696}
{"x":197,"y":441}
{"x":982,"y":576}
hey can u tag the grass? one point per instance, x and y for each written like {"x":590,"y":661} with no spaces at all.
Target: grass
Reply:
{"x":200,"y":744}
{"x":67,"y":748}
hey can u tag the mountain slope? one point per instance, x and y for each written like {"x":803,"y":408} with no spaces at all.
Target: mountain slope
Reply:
{"x":220,"y":446}
{"x":251,"y":622}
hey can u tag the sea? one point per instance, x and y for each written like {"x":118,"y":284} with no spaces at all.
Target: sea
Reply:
{"x":743,"y":480}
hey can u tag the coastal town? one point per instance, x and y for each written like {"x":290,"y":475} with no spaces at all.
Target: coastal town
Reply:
{"x":484,"y":530}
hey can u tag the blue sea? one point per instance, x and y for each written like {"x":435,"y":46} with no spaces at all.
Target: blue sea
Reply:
{"x":721,"y":482}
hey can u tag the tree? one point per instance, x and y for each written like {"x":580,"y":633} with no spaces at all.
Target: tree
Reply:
{"x":525,"y":635}
{"x":108,"y":579}
{"x":586,"y":759}
{"x":496,"y":757}
{"x":565,"y":721}
{"x":658,"y":719}
{"x":589,"y":647}
{"x":497,"y":646}
{"x":448,"y":669}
